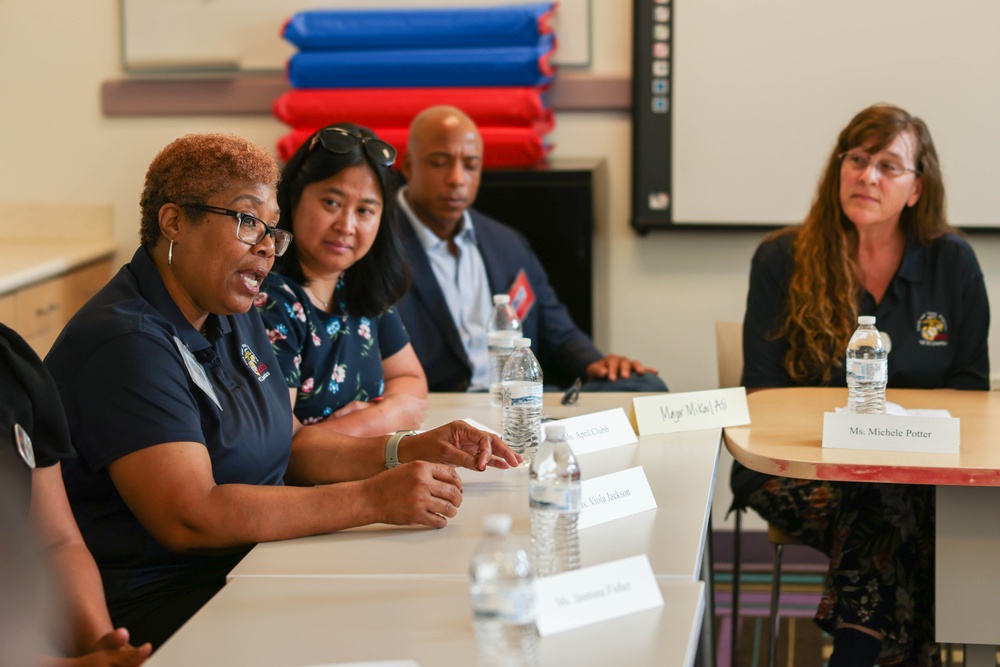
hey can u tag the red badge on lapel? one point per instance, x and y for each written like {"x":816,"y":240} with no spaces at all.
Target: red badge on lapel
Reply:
{"x":522,"y":297}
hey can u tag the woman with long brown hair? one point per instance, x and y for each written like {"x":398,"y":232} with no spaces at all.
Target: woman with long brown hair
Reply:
{"x":876,"y":242}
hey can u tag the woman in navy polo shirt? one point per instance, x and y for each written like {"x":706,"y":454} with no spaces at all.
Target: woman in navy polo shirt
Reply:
{"x":875,"y":242}
{"x":181,"y":417}
{"x":33,"y":441}
{"x":328,"y":305}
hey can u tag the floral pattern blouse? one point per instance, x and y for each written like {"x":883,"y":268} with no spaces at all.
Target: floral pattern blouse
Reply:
{"x":332,"y":358}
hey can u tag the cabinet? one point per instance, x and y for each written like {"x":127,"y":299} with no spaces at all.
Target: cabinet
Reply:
{"x":39,"y":312}
{"x":553,"y":206}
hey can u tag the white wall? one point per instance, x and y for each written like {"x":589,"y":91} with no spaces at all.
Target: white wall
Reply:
{"x":657,"y":297}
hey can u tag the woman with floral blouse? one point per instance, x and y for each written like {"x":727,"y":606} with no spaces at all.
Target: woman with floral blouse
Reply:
{"x":328,"y":307}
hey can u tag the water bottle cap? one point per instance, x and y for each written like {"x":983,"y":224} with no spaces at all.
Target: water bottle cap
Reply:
{"x":866,"y":320}
{"x":497,"y":524}
{"x":555,"y":432}
{"x":500,"y":298}
{"x":522,"y":342}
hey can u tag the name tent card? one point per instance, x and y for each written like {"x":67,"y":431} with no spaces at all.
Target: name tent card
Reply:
{"x":690,"y":411}
{"x":935,"y":435}
{"x":598,"y":430}
{"x":594,"y":594}
{"x":613,"y":496}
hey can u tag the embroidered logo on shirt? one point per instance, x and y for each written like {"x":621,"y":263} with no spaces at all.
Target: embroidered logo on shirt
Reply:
{"x":253,"y":363}
{"x":933,"y":329}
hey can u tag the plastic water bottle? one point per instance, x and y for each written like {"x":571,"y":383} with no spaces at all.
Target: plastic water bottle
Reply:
{"x":501,"y":330}
{"x":521,"y":382}
{"x":867,"y":369}
{"x":503,"y":598}
{"x":555,"y":505}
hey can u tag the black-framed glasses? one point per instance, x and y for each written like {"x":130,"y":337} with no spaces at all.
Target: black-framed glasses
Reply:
{"x":339,"y":141}
{"x":857,"y":162}
{"x":251,"y":230}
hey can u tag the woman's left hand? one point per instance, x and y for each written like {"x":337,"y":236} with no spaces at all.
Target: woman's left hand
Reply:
{"x":459,"y":444}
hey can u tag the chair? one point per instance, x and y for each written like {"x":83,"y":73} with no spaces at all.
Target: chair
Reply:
{"x":729,"y":355}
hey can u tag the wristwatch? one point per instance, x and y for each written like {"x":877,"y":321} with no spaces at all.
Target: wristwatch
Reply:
{"x":392,"y":448}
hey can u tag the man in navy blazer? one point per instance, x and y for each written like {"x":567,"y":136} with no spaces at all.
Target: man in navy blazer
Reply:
{"x":459,"y":258}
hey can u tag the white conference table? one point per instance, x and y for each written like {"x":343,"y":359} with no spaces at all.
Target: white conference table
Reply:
{"x":785,"y":438}
{"x":353,"y":579}
{"x":281,"y":622}
{"x":680,"y":469}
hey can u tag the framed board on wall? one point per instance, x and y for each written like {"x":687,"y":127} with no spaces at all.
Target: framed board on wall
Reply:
{"x":244,"y":36}
{"x":737,"y":105}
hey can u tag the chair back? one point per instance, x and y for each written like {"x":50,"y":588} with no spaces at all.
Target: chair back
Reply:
{"x":729,"y":352}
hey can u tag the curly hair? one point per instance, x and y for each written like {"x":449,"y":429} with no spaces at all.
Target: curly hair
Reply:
{"x":824,"y":291}
{"x":381,"y":277}
{"x":196,"y":166}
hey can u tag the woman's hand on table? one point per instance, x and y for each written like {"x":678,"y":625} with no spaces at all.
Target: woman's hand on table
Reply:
{"x":459,"y":444}
{"x":111,"y":650}
{"x":416,"y":493}
{"x":398,"y":411}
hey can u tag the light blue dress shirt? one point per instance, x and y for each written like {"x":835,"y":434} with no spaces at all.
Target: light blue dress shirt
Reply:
{"x":465,"y":286}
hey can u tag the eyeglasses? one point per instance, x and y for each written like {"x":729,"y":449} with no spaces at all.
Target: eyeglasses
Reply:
{"x":341,"y":141}
{"x":252,"y":230}
{"x":858,"y":162}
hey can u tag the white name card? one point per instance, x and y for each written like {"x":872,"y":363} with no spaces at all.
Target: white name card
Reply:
{"x":598,"y":430}
{"x":376,"y":663}
{"x":613,"y":496}
{"x":594,"y":594}
{"x":691,"y":411}
{"x":938,"y":435}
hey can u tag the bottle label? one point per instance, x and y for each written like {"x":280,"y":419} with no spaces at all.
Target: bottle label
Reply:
{"x":562,"y":497}
{"x":867,"y":370}
{"x":524,"y":394}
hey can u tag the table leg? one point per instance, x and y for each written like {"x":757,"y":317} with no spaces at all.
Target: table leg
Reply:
{"x":707,"y":648}
{"x":980,"y":655}
{"x":967,"y":542}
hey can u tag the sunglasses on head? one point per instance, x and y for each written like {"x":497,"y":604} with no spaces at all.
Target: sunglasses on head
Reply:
{"x":341,"y":142}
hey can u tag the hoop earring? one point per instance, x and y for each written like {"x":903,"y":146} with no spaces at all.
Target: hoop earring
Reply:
{"x":170,"y":253}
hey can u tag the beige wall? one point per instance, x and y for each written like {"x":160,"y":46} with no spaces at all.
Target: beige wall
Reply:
{"x":656,"y":296}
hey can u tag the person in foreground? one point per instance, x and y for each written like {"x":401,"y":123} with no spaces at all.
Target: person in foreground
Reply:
{"x":875,"y":242}
{"x":34,"y":440}
{"x":188,"y":449}
{"x":328,"y":307}
{"x":459,"y":258}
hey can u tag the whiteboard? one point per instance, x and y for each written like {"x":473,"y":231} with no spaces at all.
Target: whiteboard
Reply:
{"x":761,"y":89}
{"x":245,"y":35}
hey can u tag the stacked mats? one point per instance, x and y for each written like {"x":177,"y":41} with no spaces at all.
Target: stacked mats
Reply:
{"x":380,"y":67}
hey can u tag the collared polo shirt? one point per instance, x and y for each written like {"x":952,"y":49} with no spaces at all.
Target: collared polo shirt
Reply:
{"x":465,"y":285}
{"x":935,"y":311}
{"x":120,"y":369}
{"x":33,"y":431}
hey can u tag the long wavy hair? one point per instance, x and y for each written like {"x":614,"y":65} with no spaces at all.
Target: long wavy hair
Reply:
{"x":825,"y":289}
{"x":380,"y":278}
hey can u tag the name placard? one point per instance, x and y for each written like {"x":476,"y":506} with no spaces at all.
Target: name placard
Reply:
{"x":690,"y":411}
{"x":598,"y":430}
{"x":613,"y":496}
{"x":938,"y":435}
{"x":594,"y":594}
{"x":375,"y":663}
